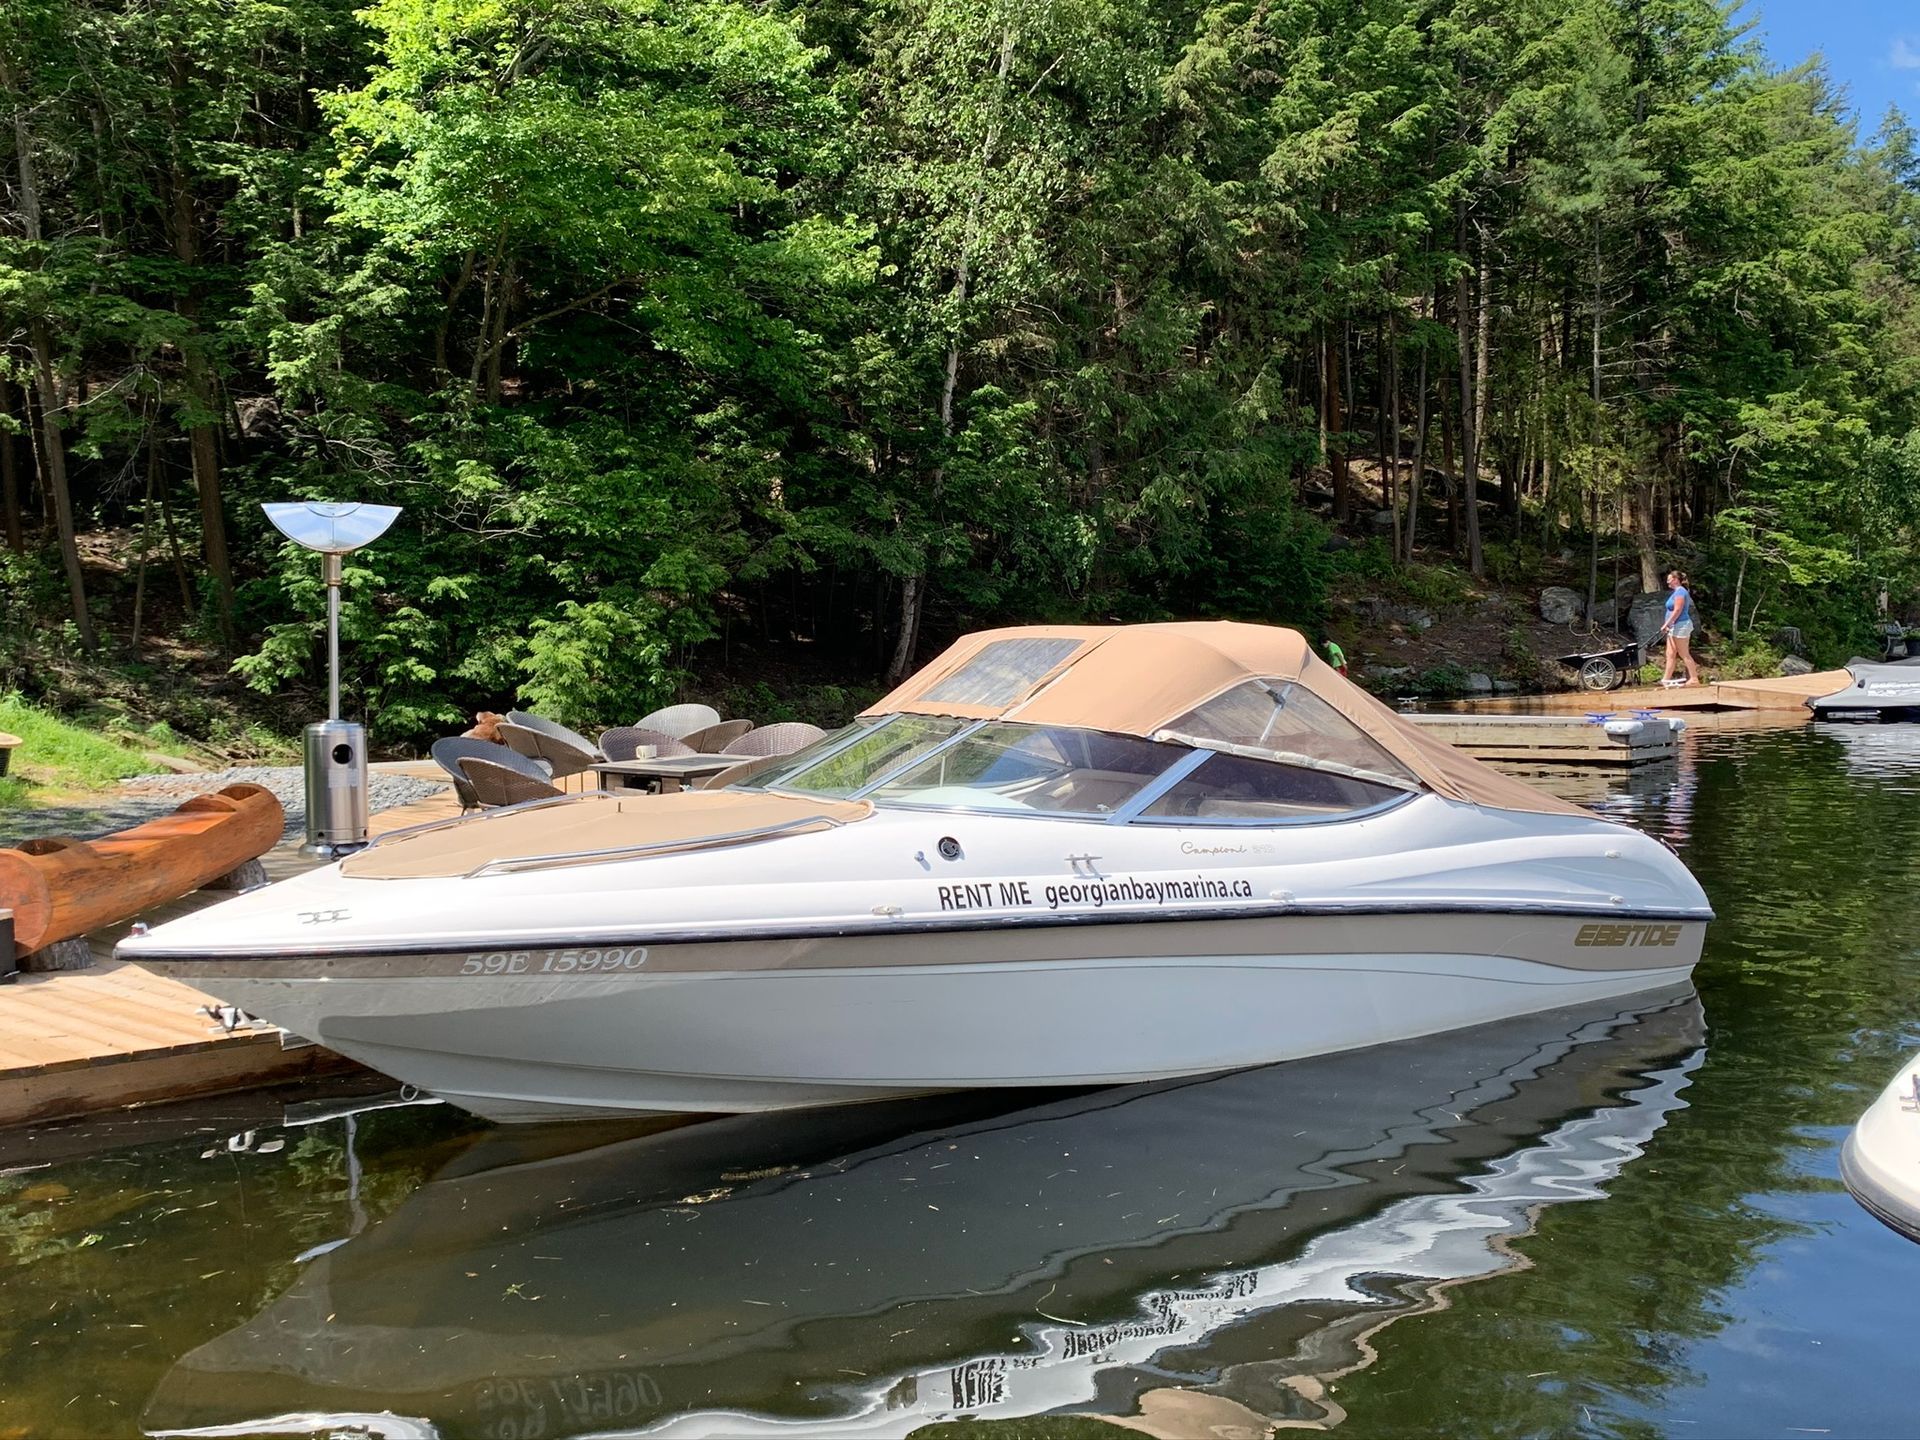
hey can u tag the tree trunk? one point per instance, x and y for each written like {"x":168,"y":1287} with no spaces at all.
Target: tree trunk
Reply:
{"x":1448,"y":476}
{"x":1640,"y":517}
{"x":1419,"y":477}
{"x":445,"y":323}
{"x":1392,"y":372}
{"x":175,"y":551}
{"x":54,"y":481}
{"x":202,"y":442}
{"x":1469,"y":402}
{"x":912,"y":601}
{"x":497,"y":342}
{"x":10,"y":475}
{"x":1320,"y":373}
{"x":1593,"y":481}
{"x":914,"y":587}
{"x":53,"y":454}
{"x":146,"y":537}
{"x":1738,"y":582}
{"x":1336,"y":426}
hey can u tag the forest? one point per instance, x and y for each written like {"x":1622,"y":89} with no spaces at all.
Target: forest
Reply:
{"x":856,"y":325}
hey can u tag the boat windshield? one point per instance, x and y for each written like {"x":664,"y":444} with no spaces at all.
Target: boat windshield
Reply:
{"x":1261,"y":754}
{"x":1033,"y":767}
{"x":849,"y":760}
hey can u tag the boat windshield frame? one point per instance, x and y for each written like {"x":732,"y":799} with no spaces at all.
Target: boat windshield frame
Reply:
{"x":1191,"y":754}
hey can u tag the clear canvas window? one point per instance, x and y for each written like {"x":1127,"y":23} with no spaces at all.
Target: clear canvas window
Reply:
{"x":1002,"y":672}
{"x":1228,"y":788}
{"x":1028,"y":767}
{"x":839,"y":768}
{"x":1284,"y":721}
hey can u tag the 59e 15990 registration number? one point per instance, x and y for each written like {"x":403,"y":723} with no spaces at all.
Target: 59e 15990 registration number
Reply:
{"x":613,"y":960}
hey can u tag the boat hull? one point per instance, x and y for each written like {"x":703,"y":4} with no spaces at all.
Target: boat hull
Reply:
{"x":1888,"y":691}
{"x":1880,"y":1161}
{"x":774,"y":1023}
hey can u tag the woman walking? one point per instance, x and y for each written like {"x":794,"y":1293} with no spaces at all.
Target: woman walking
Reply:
{"x":1679,"y":629}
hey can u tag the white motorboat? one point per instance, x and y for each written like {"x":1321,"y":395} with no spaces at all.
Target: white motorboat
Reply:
{"x":1880,"y":1160}
{"x":1055,"y":856}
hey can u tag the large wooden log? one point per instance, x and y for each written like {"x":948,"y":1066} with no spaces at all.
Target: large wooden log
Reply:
{"x":61,"y":888}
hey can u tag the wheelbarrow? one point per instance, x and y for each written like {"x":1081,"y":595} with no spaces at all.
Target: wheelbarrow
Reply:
{"x":1603,"y":669}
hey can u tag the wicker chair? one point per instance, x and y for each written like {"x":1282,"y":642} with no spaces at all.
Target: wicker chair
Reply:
{"x":495,"y":784}
{"x":679,"y":721}
{"x":623,"y":742}
{"x":717,"y":739}
{"x":450,"y":752}
{"x":776,"y":739}
{"x":745,"y":770}
{"x":567,"y":752}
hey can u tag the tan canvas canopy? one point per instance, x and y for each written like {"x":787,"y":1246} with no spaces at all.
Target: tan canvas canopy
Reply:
{"x":1139,"y":679}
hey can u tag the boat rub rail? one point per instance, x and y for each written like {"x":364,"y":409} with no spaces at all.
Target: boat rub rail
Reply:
{"x":1550,"y":935}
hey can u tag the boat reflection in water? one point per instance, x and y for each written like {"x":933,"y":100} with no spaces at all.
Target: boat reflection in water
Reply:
{"x":872,"y":1269}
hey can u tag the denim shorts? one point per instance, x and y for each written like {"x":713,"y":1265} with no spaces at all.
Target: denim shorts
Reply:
{"x":1683,"y":630}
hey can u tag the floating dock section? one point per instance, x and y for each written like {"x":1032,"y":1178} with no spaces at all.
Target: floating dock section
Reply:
{"x":1596,"y":739}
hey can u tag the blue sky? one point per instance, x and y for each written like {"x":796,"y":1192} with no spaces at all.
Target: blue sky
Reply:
{"x":1872,"y":47}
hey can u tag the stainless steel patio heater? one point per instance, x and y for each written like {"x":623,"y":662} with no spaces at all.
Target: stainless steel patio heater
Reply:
{"x":336,"y":748}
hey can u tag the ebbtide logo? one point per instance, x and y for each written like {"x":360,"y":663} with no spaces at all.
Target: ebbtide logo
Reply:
{"x":1612,"y":936}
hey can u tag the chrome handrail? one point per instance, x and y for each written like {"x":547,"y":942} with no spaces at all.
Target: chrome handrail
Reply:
{"x":513,"y":865}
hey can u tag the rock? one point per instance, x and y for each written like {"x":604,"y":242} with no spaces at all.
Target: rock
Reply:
{"x":1506,"y":687}
{"x":1414,"y":619}
{"x":1479,"y":684}
{"x":1387,"y":672}
{"x":74,"y":954}
{"x":1372,"y":610}
{"x":1607,"y":612}
{"x":1794,"y":665}
{"x":1626,"y":587}
{"x":1383,"y":520}
{"x":1789,"y":639}
{"x":1645,"y":616}
{"x":1559,"y":605}
{"x":250,"y":876}
{"x":259,"y":416}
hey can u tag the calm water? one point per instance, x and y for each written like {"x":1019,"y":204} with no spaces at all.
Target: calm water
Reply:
{"x":1614,"y":1222}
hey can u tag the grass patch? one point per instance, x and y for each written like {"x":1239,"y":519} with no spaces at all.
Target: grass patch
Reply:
{"x":55,"y":754}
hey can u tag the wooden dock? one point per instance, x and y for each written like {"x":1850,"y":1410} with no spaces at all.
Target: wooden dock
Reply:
{"x":1557,"y":739}
{"x":114,"y":1035}
{"x":1787,"y":692}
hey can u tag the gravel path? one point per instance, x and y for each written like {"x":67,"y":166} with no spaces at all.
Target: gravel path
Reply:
{"x":147,"y":796}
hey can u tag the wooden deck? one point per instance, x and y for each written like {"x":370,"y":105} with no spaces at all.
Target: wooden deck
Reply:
{"x":1789,"y":693}
{"x":115,"y":1035}
{"x":80,"y":1041}
{"x":118,"y":1035}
